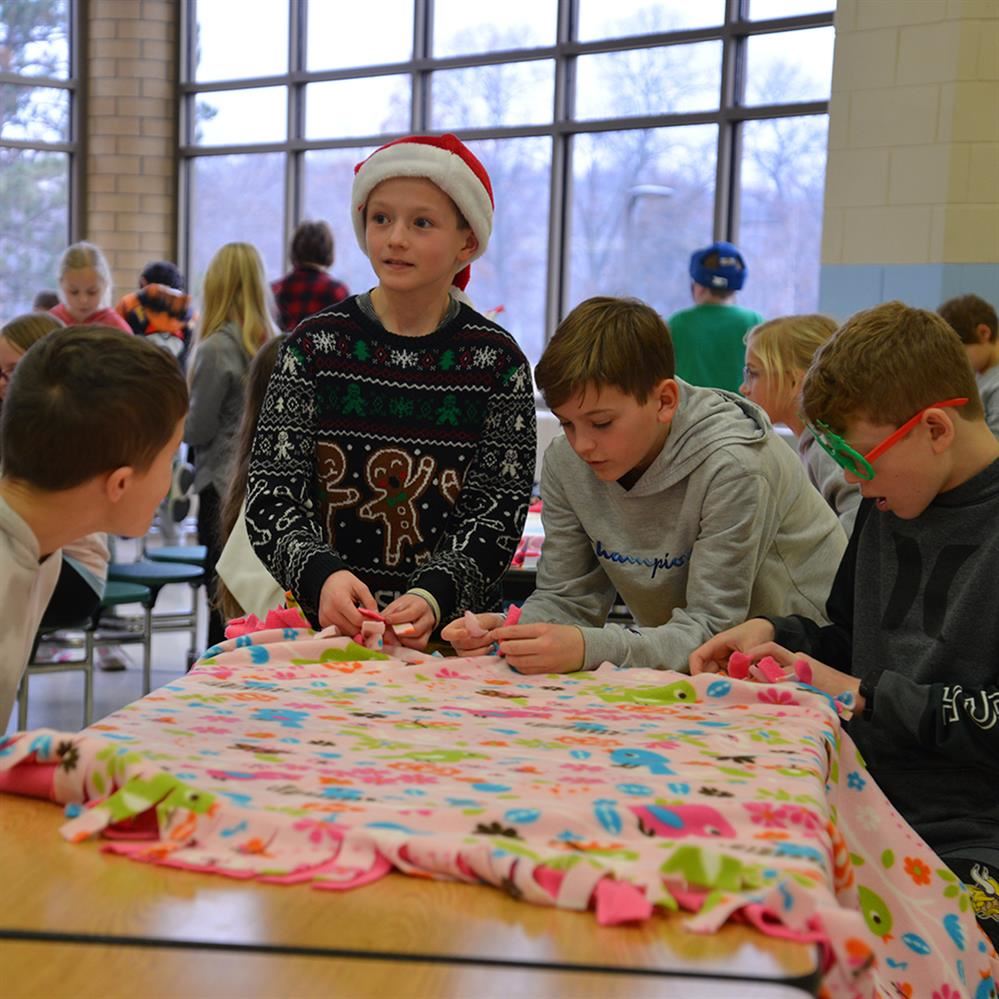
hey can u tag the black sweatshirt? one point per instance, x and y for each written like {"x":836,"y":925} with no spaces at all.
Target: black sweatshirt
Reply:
{"x":919,"y":599}
{"x":407,"y":460}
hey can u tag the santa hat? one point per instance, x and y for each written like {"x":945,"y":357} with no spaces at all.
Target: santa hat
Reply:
{"x":442,"y":159}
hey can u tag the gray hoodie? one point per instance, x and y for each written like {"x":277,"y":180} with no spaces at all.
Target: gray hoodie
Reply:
{"x":218,"y":389}
{"x":723,"y":526}
{"x":828,"y":478}
{"x":988,"y":389}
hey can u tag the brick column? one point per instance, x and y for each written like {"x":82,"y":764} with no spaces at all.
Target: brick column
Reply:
{"x":131,"y":124}
{"x":912,"y":183}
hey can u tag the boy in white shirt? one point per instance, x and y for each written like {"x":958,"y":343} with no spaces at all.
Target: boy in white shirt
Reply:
{"x":90,"y":423}
{"x":680,"y":499}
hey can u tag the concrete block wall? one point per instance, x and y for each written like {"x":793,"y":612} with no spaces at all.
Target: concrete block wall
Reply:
{"x":912,"y":182}
{"x":130,"y":71}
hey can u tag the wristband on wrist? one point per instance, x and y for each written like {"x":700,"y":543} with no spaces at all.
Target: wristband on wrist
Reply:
{"x":868,"y":686}
{"x":431,"y":601}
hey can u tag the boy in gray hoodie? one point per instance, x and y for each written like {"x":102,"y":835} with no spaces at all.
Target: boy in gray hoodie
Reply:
{"x":681,"y":499}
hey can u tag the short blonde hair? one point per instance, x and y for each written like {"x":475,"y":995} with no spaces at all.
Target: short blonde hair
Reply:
{"x":79,"y":256}
{"x":606,"y":341}
{"x":885,"y":364}
{"x":788,"y":344}
{"x":22,"y":331}
{"x":236,"y":290}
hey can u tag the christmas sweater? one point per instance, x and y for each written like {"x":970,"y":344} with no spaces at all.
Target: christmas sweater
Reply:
{"x":407,"y":460}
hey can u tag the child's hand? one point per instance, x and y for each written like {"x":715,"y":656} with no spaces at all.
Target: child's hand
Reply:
{"x":713,"y":654}
{"x":412,"y":609}
{"x":339,"y":599}
{"x":540,"y":648}
{"x":462,"y":639}
{"x":824,"y":677}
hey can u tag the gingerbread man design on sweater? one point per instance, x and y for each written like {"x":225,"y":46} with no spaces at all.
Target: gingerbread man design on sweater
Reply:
{"x":331,"y":465}
{"x":397,"y":487}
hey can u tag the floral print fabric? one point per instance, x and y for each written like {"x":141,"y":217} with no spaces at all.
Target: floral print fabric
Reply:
{"x":289,"y":758}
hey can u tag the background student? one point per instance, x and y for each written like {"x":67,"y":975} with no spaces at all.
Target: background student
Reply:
{"x":85,"y":289}
{"x":308,"y":287}
{"x":974,"y":321}
{"x":708,"y":337}
{"x":244,"y":584}
{"x":778,"y":354}
{"x":161,"y":309}
{"x":235,"y":323}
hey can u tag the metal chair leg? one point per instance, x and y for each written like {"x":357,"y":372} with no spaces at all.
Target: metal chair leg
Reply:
{"x":88,"y":679}
{"x":22,"y":703}
{"x":194,"y":653}
{"x":147,"y":652}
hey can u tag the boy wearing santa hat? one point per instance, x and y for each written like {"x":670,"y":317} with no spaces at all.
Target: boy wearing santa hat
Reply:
{"x":394,"y":455}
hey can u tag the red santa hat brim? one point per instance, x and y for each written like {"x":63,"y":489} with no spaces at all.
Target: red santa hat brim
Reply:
{"x":445,"y":161}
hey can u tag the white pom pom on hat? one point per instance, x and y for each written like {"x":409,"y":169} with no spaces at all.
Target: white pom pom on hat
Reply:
{"x":445,"y":161}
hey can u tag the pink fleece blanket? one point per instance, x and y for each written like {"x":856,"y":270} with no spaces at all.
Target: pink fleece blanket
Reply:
{"x":289,"y":758}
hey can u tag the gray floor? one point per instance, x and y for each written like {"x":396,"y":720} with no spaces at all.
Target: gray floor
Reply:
{"x":56,"y":701}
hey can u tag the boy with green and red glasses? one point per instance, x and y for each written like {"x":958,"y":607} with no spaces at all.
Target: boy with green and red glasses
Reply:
{"x":914,"y":608}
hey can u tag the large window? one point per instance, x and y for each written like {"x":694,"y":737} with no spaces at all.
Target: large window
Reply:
{"x":619,"y":136}
{"x":37,"y":146}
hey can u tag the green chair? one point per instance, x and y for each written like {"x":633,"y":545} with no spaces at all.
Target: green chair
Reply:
{"x":187,"y":554}
{"x":156,"y":575}
{"x":115,"y":594}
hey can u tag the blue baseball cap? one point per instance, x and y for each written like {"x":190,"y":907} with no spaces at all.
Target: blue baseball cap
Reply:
{"x":727,"y":273}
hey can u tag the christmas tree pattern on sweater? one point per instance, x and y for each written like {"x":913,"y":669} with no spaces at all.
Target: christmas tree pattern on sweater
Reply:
{"x":407,"y":460}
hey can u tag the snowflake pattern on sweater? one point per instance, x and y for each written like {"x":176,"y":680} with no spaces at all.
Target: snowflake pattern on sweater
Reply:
{"x":408,"y":461}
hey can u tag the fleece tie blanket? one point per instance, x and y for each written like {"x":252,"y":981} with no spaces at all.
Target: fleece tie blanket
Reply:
{"x":290,"y":758}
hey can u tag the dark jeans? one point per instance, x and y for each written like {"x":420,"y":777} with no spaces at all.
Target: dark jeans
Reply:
{"x":210,"y":535}
{"x":73,"y":601}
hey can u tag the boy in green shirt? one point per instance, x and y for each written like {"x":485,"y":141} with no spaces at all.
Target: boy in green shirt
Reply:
{"x":709,"y":337}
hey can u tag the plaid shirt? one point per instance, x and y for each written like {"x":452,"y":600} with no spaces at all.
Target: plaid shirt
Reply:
{"x":303,"y":292}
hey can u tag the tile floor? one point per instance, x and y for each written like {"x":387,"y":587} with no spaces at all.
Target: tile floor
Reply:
{"x":56,"y":701}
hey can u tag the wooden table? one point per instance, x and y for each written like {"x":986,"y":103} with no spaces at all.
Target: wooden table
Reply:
{"x":77,"y":922}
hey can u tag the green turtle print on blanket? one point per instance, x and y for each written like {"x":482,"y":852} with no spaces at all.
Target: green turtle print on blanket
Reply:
{"x":311,"y":761}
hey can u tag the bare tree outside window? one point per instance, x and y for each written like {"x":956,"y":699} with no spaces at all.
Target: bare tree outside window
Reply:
{"x":618,"y":136}
{"x":641,"y":200}
{"x":34,"y":156}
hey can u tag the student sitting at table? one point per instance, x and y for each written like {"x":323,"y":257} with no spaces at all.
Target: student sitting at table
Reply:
{"x":680,"y":498}
{"x":91,"y":420}
{"x":914,"y":634}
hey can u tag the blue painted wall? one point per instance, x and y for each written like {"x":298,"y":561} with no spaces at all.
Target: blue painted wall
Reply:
{"x":847,"y":288}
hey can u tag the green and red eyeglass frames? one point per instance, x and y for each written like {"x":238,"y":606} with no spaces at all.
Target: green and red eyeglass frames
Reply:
{"x":860,"y":464}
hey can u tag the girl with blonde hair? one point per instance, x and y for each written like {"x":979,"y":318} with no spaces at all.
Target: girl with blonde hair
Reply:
{"x":236,"y":321}
{"x":85,"y":289}
{"x":778,"y":353}
{"x":17,"y":336}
